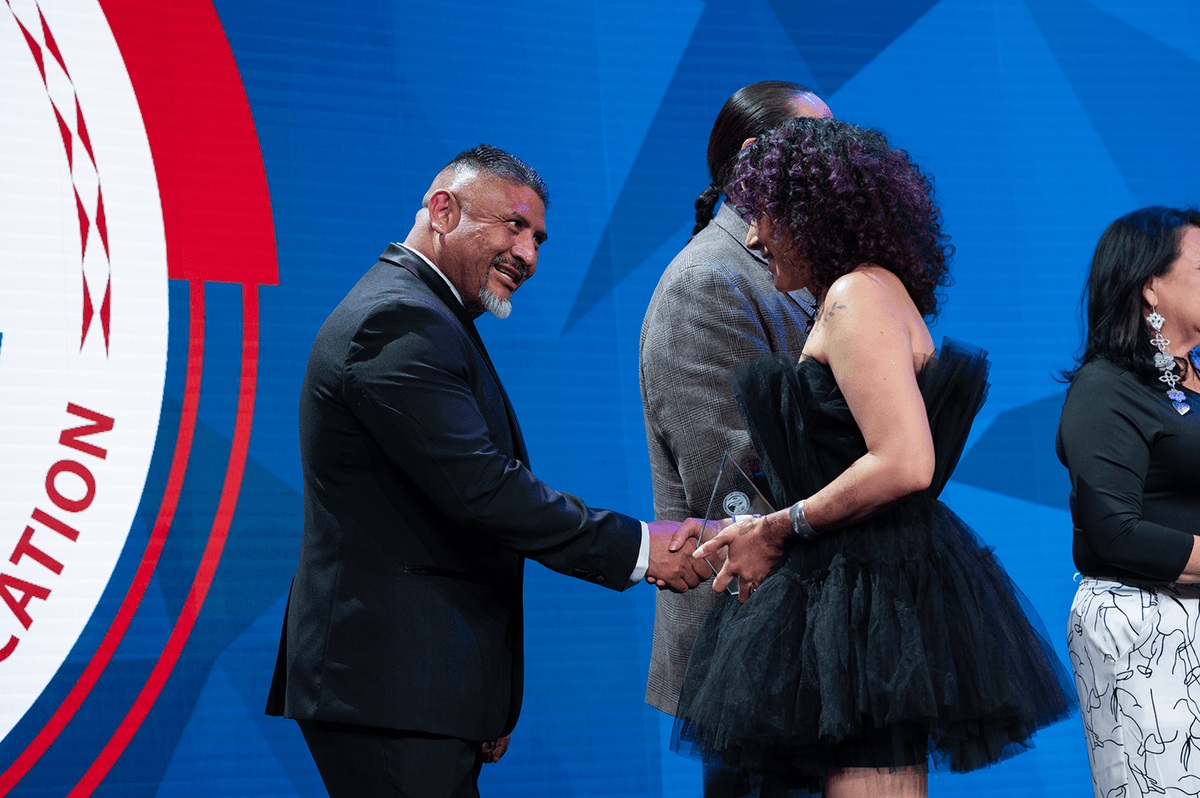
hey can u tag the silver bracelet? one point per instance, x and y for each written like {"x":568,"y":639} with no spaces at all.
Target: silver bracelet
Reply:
{"x":800,"y":523}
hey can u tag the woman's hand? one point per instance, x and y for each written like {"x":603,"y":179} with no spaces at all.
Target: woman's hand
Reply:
{"x":752,"y":548}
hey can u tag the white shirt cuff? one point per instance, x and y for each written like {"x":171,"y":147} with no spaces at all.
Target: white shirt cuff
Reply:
{"x":643,"y":560}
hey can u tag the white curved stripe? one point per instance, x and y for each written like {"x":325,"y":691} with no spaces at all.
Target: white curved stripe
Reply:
{"x":42,"y":365}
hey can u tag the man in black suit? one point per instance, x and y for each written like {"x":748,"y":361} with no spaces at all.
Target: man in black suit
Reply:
{"x":401,"y":654}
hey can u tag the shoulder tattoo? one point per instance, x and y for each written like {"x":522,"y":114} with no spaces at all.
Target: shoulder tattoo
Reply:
{"x":827,"y":312}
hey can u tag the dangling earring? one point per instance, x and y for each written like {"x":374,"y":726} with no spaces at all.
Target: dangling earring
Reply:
{"x":1164,"y":362}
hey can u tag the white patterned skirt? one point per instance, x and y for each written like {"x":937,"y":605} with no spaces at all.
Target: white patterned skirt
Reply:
{"x":1137,"y":671}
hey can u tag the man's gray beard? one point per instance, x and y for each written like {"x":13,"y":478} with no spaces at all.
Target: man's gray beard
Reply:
{"x":500,"y":308}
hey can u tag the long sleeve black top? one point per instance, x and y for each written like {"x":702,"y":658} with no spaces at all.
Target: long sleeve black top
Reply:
{"x":1135,"y":474}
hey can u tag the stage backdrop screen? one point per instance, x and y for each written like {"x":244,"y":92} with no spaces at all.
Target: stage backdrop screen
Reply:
{"x":187,"y":189}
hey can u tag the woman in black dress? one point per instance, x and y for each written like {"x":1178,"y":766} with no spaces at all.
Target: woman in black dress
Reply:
{"x":871,"y":629}
{"x":1130,"y":437}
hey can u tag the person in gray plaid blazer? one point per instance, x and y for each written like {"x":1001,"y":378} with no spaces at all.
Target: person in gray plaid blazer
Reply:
{"x":714,"y":309}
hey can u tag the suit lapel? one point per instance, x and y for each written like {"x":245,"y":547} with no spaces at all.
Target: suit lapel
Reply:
{"x":400,"y":256}
{"x":728,"y":220}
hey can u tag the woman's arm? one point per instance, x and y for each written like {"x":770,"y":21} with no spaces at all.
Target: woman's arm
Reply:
{"x":867,"y":341}
{"x":1191,"y":571}
{"x":867,"y":334}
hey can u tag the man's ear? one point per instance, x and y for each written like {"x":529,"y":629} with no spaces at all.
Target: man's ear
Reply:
{"x":444,"y":211}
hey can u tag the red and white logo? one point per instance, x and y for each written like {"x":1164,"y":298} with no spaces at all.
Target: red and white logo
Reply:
{"x":83,"y":320}
{"x":128,"y":157}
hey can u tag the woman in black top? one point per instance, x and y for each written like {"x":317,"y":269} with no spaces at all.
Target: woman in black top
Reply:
{"x":1130,"y":437}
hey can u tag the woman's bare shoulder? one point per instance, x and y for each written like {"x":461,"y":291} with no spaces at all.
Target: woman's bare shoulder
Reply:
{"x":868,"y":300}
{"x":870,"y":290}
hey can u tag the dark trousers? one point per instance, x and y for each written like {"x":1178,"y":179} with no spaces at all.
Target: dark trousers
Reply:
{"x":363,"y":761}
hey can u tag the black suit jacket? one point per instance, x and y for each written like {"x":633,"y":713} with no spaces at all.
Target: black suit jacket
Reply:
{"x":419,"y":511}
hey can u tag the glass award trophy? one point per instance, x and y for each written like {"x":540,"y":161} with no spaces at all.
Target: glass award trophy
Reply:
{"x":733,"y":494}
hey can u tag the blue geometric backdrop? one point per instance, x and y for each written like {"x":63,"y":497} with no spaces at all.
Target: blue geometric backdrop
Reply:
{"x":1041,"y":121}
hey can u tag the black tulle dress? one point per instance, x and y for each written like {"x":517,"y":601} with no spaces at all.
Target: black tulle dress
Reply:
{"x":881,"y":644}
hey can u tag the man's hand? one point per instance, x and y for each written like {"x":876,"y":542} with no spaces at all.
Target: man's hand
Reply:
{"x":671,"y":565}
{"x":493,"y":751}
{"x":716,"y":557}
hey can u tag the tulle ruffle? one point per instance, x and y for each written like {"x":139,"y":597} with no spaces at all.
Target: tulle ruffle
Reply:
{"x":879,"y":645}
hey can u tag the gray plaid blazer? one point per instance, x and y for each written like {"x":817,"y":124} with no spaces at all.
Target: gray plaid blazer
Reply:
{"x":714,"y":309}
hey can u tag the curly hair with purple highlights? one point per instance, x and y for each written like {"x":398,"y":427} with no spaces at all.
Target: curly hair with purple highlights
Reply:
{"x":846,"y":198}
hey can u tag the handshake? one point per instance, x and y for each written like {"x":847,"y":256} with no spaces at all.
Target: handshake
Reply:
{"x":672,"y":566}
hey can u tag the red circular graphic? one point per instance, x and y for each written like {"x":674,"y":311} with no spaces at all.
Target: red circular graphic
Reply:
{"x":218,"y":228}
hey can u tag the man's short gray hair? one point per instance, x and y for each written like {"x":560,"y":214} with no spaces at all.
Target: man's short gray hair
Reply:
{"x":496,"y":162}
